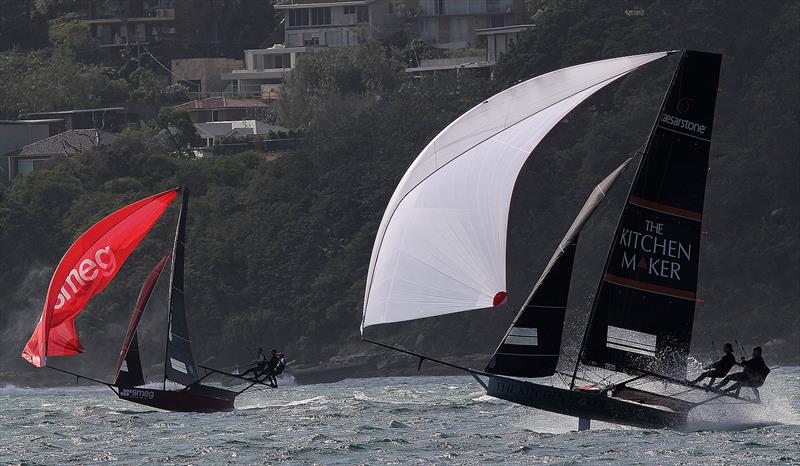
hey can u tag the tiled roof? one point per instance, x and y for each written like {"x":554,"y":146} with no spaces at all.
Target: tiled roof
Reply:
{"x":213,"y":103}
{"x":69,"y":142}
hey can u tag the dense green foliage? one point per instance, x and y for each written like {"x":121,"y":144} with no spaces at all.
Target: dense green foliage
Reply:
{"x":279,"y":244}
{"x":22,"y":25}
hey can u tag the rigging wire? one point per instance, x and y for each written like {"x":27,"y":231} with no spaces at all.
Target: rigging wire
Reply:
{"x":169,"y":70}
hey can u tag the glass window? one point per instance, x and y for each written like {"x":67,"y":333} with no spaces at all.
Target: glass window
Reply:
{"x":293,"y":40}
{"x":298,"y":17}
{"x":140,"y":32}
{"x":440,"y":7}
{"x":333,"y":38}
{"x":310,"y":38}
{"x":363,"y":14}
{"x":459,"y":29}
{"x":24,"y":166}
{"x":350,"y":10}
{"x":320,"y":16}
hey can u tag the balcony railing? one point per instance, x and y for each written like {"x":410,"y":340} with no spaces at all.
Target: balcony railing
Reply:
{"x":463,"y":7}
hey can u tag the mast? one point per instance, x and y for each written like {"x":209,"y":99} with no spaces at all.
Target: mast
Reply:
{"x":642,"y":313}
{"x":178,"y":361}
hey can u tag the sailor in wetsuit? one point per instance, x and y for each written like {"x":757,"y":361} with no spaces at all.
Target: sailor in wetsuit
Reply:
{"x":276,"y":368}
{"x":719,"y":368}
{"x":260,"y":364}
{"x":754,"y":373}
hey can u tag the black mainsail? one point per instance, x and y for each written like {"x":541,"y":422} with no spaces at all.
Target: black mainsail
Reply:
{"x":532,"y":344}
{"x":179,"y":363}
{"x":129,"y":365}
{"x":643,"y":312}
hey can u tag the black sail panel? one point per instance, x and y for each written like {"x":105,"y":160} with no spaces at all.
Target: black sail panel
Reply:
{"x":532,"y":344}
{"x":130,"y":372}
{"x":643,"y":312}
{"x":179,"y":364}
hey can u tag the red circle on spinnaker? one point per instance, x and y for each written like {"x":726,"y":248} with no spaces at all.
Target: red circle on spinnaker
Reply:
{"x":499,"y":298}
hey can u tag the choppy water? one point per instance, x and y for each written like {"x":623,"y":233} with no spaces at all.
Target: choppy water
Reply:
{"x":374,"y":421}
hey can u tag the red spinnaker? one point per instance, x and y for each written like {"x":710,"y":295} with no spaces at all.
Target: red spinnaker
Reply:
{"x":141,"y":303}
{"x":88,"y":266}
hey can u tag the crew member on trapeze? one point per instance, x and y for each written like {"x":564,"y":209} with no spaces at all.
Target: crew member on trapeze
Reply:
{"x":719,"y":368}
{"x":260,"y":364}
{"x":275,"y":368}
{"x":753,"y":374}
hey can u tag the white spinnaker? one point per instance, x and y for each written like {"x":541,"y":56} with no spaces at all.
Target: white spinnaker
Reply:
{"x":441,"y":246}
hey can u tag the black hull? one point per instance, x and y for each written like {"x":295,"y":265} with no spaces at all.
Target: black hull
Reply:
{"x":189,"y":400}
{"x":583,"y":404}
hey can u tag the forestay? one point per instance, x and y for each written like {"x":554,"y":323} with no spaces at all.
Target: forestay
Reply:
{"x":441,"y":246}
{"x":532,"y":344}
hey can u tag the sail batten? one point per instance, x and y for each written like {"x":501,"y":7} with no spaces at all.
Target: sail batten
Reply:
{"x":441,"y":246}
{"x":643,"y":313}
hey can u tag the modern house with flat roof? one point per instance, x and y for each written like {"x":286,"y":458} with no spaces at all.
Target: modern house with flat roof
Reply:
{"x":452,"y":24}
{"x":497,"y":42}
{"x":132,"y":22}
{"x":103,"y":118}
{"x":192,"y":26}
{"x":264,"y":71}
{"x":215,"y":132}
{"x":335,"y":23}
{"x":223,"y":109}
{"x":203,"y":76}
{"x":500,"y":39}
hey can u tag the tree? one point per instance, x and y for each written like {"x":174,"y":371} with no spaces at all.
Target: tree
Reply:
{"x":72,"y":40}
{"x":180,"y":129}
{"x":367,"y":71}
{"x":21,"y":25}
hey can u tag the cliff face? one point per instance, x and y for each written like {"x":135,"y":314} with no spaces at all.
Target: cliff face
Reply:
{"x":278,"y":246}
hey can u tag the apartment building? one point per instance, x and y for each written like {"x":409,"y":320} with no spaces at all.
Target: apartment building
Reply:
{"x":335,"y":23}
{"x":189,"y":24}
{"x":264,"y":71}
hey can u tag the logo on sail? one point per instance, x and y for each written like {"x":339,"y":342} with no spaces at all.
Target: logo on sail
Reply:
{"x":683,"y":124}
{"x":661,"y":256}
{"x":87,"y":271}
